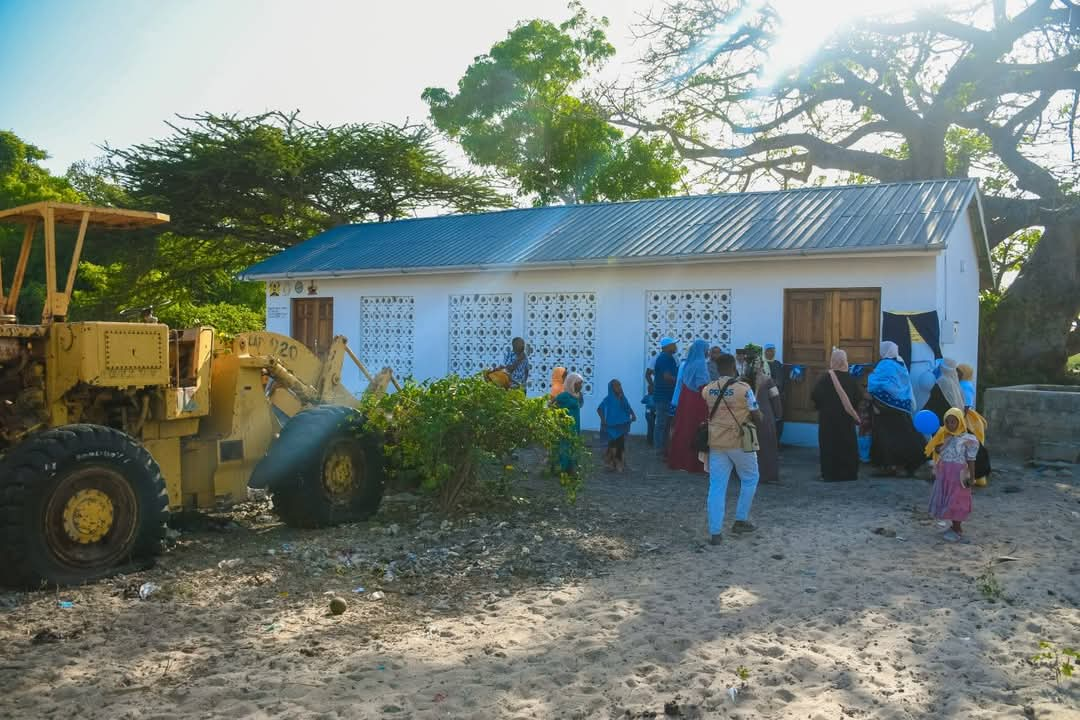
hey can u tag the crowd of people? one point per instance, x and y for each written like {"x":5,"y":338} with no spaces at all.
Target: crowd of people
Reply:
{"x":716,"y":413}
{"x":887,"y":414}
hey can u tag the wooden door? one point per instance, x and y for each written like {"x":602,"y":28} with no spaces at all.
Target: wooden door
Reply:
{"x":313,"y":323}
{"x":816,"y":321}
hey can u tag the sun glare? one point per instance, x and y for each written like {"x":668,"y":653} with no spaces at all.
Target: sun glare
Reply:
{"x":805,"y":26}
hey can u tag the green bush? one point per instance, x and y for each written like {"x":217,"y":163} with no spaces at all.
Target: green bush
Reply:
{"x":451,"y":431}
{"x":228,"y":320}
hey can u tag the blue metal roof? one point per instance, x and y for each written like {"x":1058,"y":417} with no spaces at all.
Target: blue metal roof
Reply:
{"x":847,"y":219}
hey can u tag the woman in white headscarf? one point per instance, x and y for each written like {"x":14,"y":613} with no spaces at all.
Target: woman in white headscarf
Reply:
{"x":946,"y":393}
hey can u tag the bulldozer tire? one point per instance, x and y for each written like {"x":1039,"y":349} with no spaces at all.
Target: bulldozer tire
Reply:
{"x":78,"y":503}
{"x":321,"y":471}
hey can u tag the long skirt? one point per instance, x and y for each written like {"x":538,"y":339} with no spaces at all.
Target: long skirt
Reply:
{"x":982,"y":466}
{"x":768,"y":456}
{"x":691,"y":412}
{"x":896,"y":442}
{"x":838,"y":447}
{"x":950,"y":500}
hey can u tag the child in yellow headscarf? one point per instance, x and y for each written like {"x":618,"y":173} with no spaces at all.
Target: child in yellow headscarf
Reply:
{"x":954,"y":450}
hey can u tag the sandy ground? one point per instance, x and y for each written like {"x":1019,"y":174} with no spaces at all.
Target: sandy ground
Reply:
{"x":612,"y":608}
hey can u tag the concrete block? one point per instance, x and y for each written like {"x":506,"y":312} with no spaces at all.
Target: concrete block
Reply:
{"x":1037,"y":421}
{"x":1057,"y":452}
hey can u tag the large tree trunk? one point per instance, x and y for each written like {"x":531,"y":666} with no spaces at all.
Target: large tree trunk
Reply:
{"x":1032,"y":324}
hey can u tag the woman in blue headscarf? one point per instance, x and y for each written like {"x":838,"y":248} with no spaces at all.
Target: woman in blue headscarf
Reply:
{"x":690,"y":411}
{"x":615,"y":418}
{"x":895,"y":443}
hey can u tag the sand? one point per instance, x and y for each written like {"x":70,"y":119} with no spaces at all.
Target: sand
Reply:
{"x":613,"y":608}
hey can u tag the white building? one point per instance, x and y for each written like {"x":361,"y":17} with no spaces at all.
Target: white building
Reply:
{"x":593,"y":287}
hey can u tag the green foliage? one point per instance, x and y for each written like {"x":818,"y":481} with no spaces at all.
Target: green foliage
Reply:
{"x":1062,"y":661}
{"x":742,"y":673}
{"x":990,"y":587}
{"x":90,"y":179}
{"x":23,"y":180}
{"x":239,"y":189}
{"x":514,"y":111}
{"x":228,"y":320}
{"x":1010,"y":254}
{"x":454,"y":431}
{"x":263,"y":183}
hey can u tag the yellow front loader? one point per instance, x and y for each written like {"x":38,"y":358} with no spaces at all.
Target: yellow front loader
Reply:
{"x":106,"y":427}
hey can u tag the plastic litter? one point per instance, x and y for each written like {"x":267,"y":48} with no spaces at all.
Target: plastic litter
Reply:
{"x":230,"y":563}
{"x":378,"y":595}
{"x":732,"y":692}
{"x":66,"y":604}
{"x":147,"y":589}
{"x":358,"y":589}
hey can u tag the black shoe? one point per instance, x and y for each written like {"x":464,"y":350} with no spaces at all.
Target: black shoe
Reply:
{"x":742,"y":527}
{"x":716,"y":539}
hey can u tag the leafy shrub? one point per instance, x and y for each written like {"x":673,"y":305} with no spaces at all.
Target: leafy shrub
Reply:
{"x":452,"y":430}
{"x":1061,"y":660}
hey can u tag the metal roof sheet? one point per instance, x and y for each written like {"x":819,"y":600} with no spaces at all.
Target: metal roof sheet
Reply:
{"x":844,"y":219}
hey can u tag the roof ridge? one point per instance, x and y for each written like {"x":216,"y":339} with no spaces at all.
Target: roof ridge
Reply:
{"x":666,"y":198}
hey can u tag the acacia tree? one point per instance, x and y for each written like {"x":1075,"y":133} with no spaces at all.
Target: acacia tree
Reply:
{"x":239,"y":189}
{"x":986,"y":89}
{"x":273,"y":180}
{"x":515,"y":111}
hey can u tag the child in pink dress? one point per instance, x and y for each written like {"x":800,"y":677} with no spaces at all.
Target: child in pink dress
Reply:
{"x":953,"y":449}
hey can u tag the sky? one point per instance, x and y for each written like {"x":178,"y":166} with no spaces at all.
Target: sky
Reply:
{"x":77,"y":74}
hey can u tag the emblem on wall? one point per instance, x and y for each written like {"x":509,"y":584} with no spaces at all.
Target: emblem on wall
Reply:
{"x":299,"y":287}
{"x":273,"y":288}
{"x":313,"y":288}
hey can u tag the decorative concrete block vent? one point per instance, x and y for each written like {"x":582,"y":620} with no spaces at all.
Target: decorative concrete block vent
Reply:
{"x":1034,"y":422}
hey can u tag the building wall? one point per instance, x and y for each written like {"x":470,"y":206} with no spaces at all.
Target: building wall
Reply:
{"x":907,"y":282}
{"x":958,"y":280}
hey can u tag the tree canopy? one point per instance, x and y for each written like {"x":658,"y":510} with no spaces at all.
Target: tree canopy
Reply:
{"x":986,"y":88}
{"x":515,"y":111}
{"x":270,"y":181}
{"x":239,"y":189}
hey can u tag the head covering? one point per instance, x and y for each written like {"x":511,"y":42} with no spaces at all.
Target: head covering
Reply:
{"x":944,"y":432}
{"x":616,"y":412}
{"x":965,"y":371}
{"x":890,"y":350}
{"x":770,"y":346}
{"x":890,"y":382}
{"x":558,"y":377}
{"x":838,"y":361}
{"x":950,"y":384}
{"x":570,"y":380}
{"x":665,"y":341}
{"x":695,"y":368}
{"x":957,"y":413}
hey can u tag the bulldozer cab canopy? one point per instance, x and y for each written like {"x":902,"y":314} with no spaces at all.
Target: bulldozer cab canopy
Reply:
{"x":49,"y":215}
{"x":72,"y":214}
